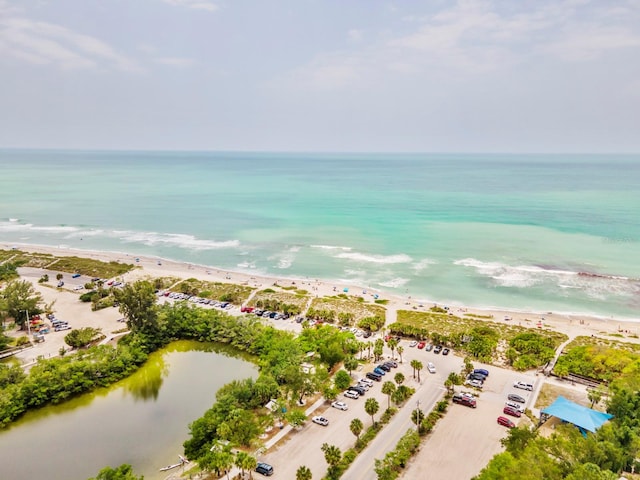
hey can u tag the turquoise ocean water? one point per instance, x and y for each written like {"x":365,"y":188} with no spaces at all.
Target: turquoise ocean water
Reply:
{"x":523,"y":232}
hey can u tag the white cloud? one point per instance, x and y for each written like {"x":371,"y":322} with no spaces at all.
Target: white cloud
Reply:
{"x":194,"y":4}
{"x":474,"y":37}
{"x":355,"y":35}
{"x":175,"y":62}
{"x":43,"y":43}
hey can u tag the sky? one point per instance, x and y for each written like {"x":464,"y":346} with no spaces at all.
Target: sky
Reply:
{"x":321,"y":76}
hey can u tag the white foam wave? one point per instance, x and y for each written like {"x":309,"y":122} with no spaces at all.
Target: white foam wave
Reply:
{"x":247,"y":265}
{"x":331,"y":247}
{"x":13,"y":226}
{"x":14,"y":219}
{"x":595,"y":286}
{"x":382,"y":259}
{"x":174,"y":239}
{"x":394,"y":283}
{"x":422,"y":264}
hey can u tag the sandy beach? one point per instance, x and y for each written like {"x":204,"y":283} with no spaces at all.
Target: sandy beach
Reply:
{"x":149,"y":267}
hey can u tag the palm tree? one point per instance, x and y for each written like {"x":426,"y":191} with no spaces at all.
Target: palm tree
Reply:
{"x":371,"y":406}
{"x":244,"y":461}
{"x":303,"y":473}
{"x":332,"y":455}
{"x":356,"y":427}
{"x":388,"y":388}
{"x":419,"y":367}
{"x":392,"y":344}
{"x":400,"y":351}
{"x":399,"y":377}
{"x":417,"y":416}
{"x":414,"y":364}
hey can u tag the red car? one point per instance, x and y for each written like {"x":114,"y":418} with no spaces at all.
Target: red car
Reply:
{"x":247,"y":309}
{"x":511,"y":411}
{"x":421,"y":344}
{"x":506,"y":422}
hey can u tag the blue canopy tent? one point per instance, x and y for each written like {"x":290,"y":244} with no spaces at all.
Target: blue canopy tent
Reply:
{"x":584,"y":418}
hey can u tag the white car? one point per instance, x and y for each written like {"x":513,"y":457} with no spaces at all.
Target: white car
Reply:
{"x":431,"y":367}
{"x":367,"y":381}
{"x":474,"y":383}
{"x":524,"y":386}
{"x":320,"y":421}
{"x":363,"y":385}
{"x":515,"y":405}
{"x":340,"y":405}
{"x":351,"y":394}
{"x":413,"y":343}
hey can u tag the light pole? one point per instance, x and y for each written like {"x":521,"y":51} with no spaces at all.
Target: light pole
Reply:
{"x":28,"y":324}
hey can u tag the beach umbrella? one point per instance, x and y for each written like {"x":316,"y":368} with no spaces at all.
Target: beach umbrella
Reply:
{"x":345,"y":290}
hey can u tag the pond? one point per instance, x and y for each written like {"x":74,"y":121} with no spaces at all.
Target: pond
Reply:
{"x":142,"y":420}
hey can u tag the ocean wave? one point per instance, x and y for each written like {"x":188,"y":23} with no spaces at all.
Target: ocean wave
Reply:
{"x":383,"y":259}
{"x":422,"y":264}
{"x":394,"y":283}
{"x":331,"y":247}
{"x":285,"y":259}
{"x":595,"y":286}
{"x":174,"y":239}
{"x":13,"y":226}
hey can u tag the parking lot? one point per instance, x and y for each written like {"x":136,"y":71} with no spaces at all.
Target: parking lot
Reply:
{"x":465,"y":439}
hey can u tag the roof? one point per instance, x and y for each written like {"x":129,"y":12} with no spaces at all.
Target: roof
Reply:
{"x":583,"y":417}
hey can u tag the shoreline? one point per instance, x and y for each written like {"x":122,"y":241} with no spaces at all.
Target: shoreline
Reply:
{"x":573,"y":324}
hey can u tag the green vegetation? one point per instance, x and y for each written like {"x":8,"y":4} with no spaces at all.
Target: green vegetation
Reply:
{"x":82,"y":337}
{"x":525,"y":348}
{"x":607,"y":361}
{"x":223,"y":292}
{"x":17,"y":298}
{"x":123,"y":472}
{"x":285,"y":302}
{"x":348,"y":310}
{"x":8,"y":271}
{"x":389,"y":468}
{"x":89,"y":267}
{"x":54,"y":380}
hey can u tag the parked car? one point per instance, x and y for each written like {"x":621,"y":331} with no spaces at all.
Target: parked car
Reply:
{"x":515,"y":406}
{"x":374,"y":376}
{"x":511,"y":411}
{"x":445,"y":351}
{"x":431,"y":367}
{"x":351,"y":394}
{"x":385,"y":367}
{"x":482,"y":371}
{"x":391,"y":363}
{"x":506,"y":422}
{"x":475,"y":376}
{"x":516,"y":398}
{"x":466,"y":400}
{"x":379,"y":371}
{"x":361,"y":391}
{"x":474,"y":383}
{"x":265,"y":469}
{"x":428,"y":348}
{"x":421,"y":345}
{"x":523,"y":386}
{"x":413,"y":343}
{"x":366,"y":386}
{"x":437,"y":349}
{"x":366,"y":380}
{"x":75,"y":275}
{"x":340,"y":405}
{"x":320,"y":421}
{"x":60,"y":284}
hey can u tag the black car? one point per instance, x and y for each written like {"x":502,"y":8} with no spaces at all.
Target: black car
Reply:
{"x":374,"y":376}
{"x":385,"y":367}
{"x":445,"y":351}
{"x":476,"y":376}
{"x":437,"y":349}
{"x":359,"y":390}
{"x":391,"y":363}
{"x":265,"y":469}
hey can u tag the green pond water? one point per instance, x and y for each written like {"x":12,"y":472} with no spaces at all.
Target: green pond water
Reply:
{"x":142,"y":420}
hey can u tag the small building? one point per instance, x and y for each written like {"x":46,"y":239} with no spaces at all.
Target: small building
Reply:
{"x":586,"y":419}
